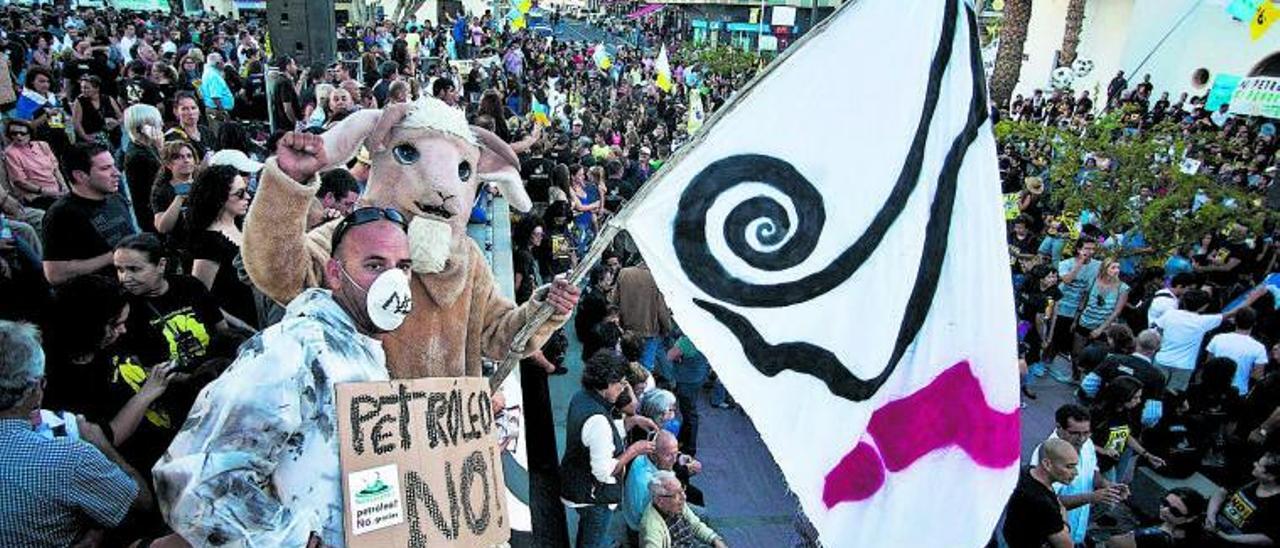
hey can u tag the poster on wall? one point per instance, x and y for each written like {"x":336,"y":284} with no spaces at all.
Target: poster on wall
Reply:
{"x":1257,"y":96}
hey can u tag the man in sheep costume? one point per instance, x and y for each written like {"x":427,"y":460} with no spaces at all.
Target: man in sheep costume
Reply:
{"x":428,"y":164}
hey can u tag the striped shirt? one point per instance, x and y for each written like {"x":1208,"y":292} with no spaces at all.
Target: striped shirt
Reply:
{"x":1100,"y":303}
{"x":52,"y":490}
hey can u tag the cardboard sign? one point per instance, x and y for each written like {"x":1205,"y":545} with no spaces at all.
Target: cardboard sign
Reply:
{"x":420,"y":465}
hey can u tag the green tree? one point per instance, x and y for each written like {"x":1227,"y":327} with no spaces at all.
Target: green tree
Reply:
{"x":1133,"y":161}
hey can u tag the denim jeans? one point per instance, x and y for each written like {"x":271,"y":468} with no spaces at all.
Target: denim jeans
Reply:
{"x":687,"y":398}
{"x":593,"y":526}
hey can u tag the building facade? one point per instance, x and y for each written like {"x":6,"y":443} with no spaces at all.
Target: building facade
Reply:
{"x":1172,"y":40}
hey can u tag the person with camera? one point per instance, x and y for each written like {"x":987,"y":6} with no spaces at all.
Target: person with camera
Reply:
{"x":284,"y":488}
{"x":57,"y":487}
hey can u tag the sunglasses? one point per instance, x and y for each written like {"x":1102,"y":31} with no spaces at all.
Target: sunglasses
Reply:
{"x":364,"y":216}
{"x":1172,"y":510}
{"x":18,"y":134}
{"x":242,"y":193}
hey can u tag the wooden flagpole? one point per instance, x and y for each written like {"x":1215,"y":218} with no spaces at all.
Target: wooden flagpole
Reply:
{"x":618,"y":222}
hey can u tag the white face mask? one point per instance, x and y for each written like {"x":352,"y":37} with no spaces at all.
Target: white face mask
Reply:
{"x":388,"y":299}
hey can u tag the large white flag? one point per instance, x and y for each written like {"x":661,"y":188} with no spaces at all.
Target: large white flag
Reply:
{"x":834,"y":244}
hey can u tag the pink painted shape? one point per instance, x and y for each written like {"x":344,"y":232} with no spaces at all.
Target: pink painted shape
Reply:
{"x":951,"y":410}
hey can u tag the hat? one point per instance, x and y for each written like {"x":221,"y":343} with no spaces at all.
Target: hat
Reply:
{"x":236,"y":159}
{"x":1035,"y":185}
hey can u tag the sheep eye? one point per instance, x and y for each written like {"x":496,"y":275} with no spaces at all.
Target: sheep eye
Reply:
{"x":464,"y":170}
{"x":406,"y":154}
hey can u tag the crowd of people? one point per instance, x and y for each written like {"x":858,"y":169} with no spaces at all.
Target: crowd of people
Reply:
{"x":133,"y":145}
{"x":1172,"y":355}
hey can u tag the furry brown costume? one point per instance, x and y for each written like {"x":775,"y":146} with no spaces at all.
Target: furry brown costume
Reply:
{"x":427,"y":164}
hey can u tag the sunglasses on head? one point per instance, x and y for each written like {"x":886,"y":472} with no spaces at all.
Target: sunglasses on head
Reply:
{"x":364,"y":216}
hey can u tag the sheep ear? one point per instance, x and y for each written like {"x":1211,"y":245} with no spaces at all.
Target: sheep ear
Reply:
{"x":342,"y":141}
{"x":499,"y":164}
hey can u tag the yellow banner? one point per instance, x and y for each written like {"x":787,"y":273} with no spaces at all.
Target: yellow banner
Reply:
{"x":1263,"y":19}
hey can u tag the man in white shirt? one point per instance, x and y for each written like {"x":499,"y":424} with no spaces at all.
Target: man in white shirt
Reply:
{"x":1089,"y":487}
{"x":1249,"y":354}
{"x":1184,"y":330}
{"x":283,"y":488}
{"x":1220,"y":117}
{"x":1167,"y":299}
{"x":127,"y":42}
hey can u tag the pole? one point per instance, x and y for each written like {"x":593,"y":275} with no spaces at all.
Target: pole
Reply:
{"x":619,"y":221}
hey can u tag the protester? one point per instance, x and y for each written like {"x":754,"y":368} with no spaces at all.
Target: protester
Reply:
{"x":56,"y":487}
{"x":1181,"y":518}
{"x":1034,"y":515}
{"x":219,"y":200}
{"x":1247,"y":516}
{"x":82,"y":228}
{"x":669,"y":521}
{"x":1089,"y":486}
{"x":595,"y":460}
{"x":280,"y":391}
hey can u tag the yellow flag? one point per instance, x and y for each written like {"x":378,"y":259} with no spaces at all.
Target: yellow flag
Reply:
{"x":663,"y":67}
{"x":1263,"y":19}
{"x":755,"y":16}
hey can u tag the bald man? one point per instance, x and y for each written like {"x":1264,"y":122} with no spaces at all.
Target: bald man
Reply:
{"x":1034,"y":517}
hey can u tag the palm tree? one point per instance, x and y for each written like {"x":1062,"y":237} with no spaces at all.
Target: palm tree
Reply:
{"x":1013,"y":34}
{"x":1071,"y":36}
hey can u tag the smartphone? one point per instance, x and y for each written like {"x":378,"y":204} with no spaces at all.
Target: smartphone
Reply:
{"x":652,"y":435}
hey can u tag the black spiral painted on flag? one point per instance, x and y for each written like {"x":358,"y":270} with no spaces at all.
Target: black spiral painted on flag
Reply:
{"x":768,"y":235}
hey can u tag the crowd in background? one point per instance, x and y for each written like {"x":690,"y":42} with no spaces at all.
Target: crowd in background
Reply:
{"x":1172,"y":355}
{"x":132,"y":148}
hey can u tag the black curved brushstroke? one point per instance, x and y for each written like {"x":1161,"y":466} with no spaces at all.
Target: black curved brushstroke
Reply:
{"x":810,"y":359}
{"x":711,"y":277}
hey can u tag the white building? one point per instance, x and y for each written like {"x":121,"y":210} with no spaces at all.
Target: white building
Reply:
{"x":1168,"y":39}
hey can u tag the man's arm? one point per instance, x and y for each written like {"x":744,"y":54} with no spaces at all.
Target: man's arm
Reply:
{"x":91,"y":476}
{"x":275,"y":236}
{"x":18,"y":176}
{"x":1061,"y":539}
{"x":58,"y":272}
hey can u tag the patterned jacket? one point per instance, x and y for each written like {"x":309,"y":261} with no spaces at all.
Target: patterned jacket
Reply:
{"x":256,"y":463}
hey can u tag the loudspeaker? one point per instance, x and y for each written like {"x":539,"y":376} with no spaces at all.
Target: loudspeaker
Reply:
{"x":303,"y":29}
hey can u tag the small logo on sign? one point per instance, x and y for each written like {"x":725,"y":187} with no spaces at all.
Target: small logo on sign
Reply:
{"x":376,"y":500}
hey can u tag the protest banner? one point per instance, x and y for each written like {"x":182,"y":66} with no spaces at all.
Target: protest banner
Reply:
{"x":1224,"y":85}
{"x":1257,"y":96}
{"x":420,"y":466}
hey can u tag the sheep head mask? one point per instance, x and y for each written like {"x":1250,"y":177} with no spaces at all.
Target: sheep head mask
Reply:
{"x":428,"y":163}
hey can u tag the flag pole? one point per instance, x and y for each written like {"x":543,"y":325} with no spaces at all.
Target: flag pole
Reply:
{"x":616,"y":223}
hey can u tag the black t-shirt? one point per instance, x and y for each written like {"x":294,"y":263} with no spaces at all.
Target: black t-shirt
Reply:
{"x":77,"y":228}
{"x":100,"y":388}
{"x":1033,"y":300}
{"x":285,"y":94}
{"x":537,"y":175}
{"x":141,"y":165}
{"x":1033,"y":514}
{"x":140,"y":91}
{"x":1113,"y":433}
{"x":232,"y":294}
{"x":1126,"y":364}
{"x":178,"y":324}
{"x":1244,"y":512}
{"x":524,"y":264}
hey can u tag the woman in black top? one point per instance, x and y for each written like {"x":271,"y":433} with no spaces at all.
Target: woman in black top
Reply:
{"x":97,"y":117}
{"x":219,"y":201}
{"x":89,"y":372}
{"x":1182,"y":512}
{"x":1250,"y":515}
{"x":142,"y":159}
{"x":1116,"y":424}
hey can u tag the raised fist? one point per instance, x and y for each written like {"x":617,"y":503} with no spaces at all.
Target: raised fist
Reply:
{"x":301,"y":155}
